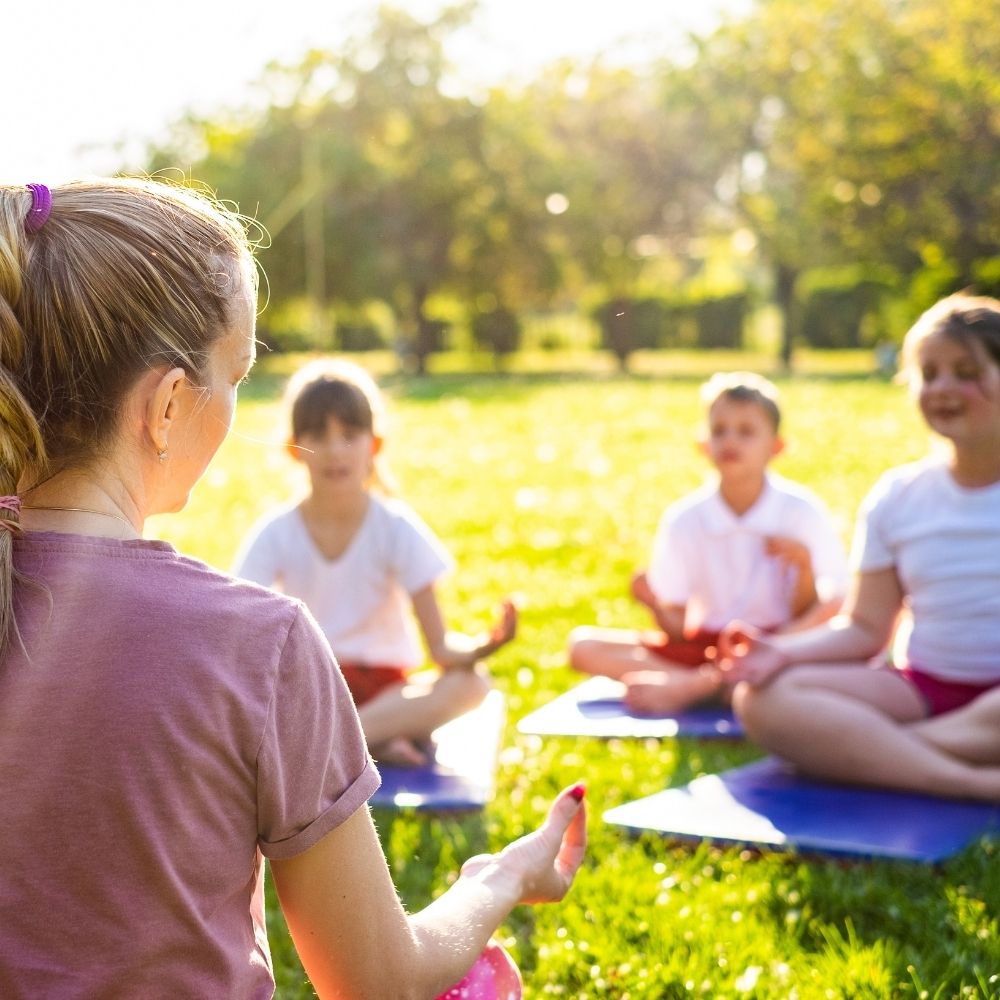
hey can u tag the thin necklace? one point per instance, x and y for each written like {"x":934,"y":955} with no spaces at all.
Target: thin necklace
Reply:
{"x":83,"y":510}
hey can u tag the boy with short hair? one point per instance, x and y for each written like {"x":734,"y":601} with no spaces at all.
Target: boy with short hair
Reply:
{"x":751,"y":546}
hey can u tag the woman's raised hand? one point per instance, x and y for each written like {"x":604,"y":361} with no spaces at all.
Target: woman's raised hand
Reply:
{"x":544,"y":862}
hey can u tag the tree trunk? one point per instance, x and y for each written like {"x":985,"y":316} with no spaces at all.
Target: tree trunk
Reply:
{"x":784,"y":297}
{"x":423,"y":342}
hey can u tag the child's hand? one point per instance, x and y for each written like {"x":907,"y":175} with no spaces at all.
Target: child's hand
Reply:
{"x":463,"y":652}
{"x":542,"y":864}
{"x":797,"y":558}
{"x":790,"y":551}
{"x":746,"y":654}
{"x":503,"y":630}
{"x":641,"y":590}
{"x":669,"y":618}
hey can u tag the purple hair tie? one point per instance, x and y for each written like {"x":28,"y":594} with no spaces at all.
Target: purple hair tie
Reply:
{"x":41,"y":205}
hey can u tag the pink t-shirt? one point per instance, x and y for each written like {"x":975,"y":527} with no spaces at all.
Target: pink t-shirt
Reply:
{"x":166,"y":727}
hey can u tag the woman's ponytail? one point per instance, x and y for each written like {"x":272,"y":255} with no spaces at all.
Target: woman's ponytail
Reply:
{"x":21,"y":447}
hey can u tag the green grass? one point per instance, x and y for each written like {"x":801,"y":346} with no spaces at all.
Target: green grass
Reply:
{"x":550,"y":486}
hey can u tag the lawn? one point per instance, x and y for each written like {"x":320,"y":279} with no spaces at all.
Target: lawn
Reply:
{"x":549,"y":486}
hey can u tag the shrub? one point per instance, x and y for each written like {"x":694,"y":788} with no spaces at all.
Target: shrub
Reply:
{"x":629,"y":325}
{"x":840,"y":307}
{"x":720,"y":321}
{"x":497,"y":331}
{"x":359,"y":337}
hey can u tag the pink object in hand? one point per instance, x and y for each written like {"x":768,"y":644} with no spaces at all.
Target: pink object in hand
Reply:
{"x":493,"y":976}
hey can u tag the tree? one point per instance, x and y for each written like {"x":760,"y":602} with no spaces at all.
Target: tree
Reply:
{"x":857,"y":131}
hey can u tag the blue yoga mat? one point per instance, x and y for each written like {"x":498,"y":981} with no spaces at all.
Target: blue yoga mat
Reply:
{"x":595,"y":708}
{"x":461,"y":776}
{"x":767,"y":804}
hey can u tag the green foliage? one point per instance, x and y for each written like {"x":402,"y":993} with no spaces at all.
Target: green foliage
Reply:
{"x":709,"y":322}
{"x":359,"y":336}
{"x":720,"y":321}
{"x":538,"y":492}
{"x":857,"y":132}
{"x":986,"y":276}
{"x":629,"y":325}
{"x":830,"y":134}
{"x":841,"y":307}
{"x":498,"y":331}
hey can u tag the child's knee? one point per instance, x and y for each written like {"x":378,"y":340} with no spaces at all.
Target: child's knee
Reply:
{"x":467,"y":689}
{"x":746,"y":701}
{"x":755,"y":708}
{"x":584,"y":649}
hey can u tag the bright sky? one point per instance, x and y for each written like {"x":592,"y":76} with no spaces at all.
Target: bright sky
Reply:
{"x":83,"y":80}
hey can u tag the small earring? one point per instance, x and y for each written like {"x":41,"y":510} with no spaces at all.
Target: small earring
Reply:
{"x":162,"y":455}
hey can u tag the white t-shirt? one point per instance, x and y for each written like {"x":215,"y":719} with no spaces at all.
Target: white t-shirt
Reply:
{"x":944,"y":542}
{"x":712,"y":561}
{"x":362,"y":598}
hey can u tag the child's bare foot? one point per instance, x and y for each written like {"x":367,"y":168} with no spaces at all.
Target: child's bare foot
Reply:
{"x":642,"y":591}
{"x":662,"y":692}
{"x":400,"y":751}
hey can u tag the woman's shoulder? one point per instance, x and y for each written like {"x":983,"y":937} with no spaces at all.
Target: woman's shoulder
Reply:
{"x":152,"y":577}
{"x":225,"y":594}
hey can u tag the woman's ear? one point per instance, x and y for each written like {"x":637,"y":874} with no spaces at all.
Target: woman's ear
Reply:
{"x":377,"y":443}
{"x":163,"y":404}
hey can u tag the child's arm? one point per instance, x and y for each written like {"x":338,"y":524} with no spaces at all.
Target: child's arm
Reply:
{"x":795,"y":555}
{"x":805,"y":605}
{"x":455,"y":650}
{"x":669,"y":617}
{"x":859,"y":632}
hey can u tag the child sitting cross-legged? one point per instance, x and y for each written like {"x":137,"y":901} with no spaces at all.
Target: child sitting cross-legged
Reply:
{"x":365,"y":564}
{"x":928,"y":541}
{"x":748,"y":545}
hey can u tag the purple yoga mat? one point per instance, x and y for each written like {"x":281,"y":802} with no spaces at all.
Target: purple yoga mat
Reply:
{"x":765,"y":803}
{"x":595,"y":708}
{"x":461,"y":776}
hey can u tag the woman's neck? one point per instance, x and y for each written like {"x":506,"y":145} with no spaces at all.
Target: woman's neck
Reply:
{"x":75,"y":503}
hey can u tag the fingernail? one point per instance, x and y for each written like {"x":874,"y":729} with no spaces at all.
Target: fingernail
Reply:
{"x":578,"y":791}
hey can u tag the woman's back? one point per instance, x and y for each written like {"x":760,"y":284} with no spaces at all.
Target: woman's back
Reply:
{"x":146,"y":742}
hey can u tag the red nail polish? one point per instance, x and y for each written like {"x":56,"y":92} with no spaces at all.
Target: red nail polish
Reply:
{"x":578,"y":791}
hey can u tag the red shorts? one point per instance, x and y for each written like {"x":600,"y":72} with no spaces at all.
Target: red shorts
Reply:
{"x":943,"y":696}
{"x":364,"y":681}
{"x":691,"y":651}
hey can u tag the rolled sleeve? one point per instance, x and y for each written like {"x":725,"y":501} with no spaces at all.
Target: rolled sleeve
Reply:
{"x":313,"y":766}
